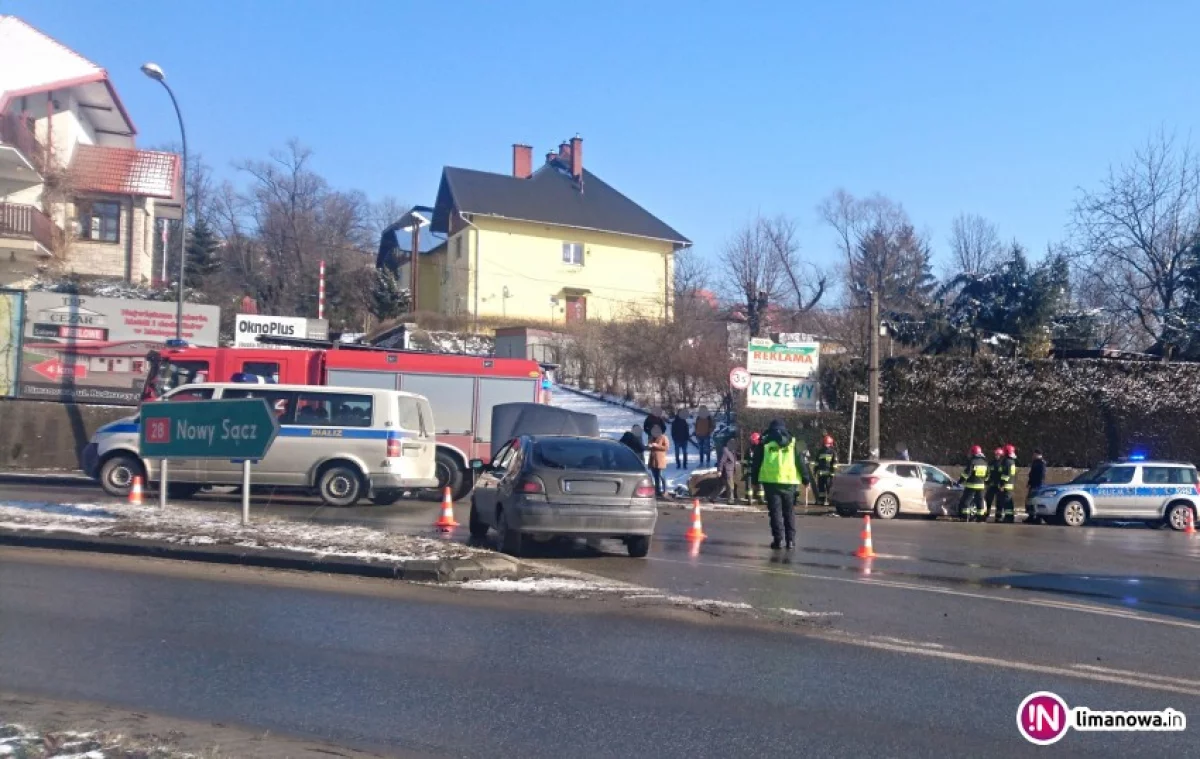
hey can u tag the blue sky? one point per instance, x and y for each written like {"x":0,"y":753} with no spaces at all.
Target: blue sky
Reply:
{"x":704,"y":113}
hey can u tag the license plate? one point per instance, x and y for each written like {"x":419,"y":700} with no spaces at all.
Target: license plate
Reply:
{"x":591,"y":487}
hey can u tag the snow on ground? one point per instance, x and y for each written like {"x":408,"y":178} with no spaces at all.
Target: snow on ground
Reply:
{"x":21,"y":741}
{"x":583,"y":585}
{"x":615,"y":420}
{"x":186,"y":526}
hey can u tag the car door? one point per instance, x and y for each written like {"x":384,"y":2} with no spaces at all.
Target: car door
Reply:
{"x":939,"y":490}
{"x":488,"y":482}
{"x":1113,"y":494}
{"x":279,"y":467}
{"x":1155,"y":489}
{"x":418,"y":447}
{"x":909,"y":486}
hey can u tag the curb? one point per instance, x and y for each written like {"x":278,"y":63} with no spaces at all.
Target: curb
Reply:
{"x":46,"y":476}
{"x":414,"y":570}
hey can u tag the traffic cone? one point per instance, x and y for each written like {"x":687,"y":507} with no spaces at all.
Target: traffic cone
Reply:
{"x":1191,"y":524}
{"x":696,"y":531}
{"x":866,"y":550}
{"x":135,"y":492}
{"x":446,"y":520}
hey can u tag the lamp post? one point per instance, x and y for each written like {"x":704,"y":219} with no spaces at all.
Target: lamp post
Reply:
{"x":155,"y":72}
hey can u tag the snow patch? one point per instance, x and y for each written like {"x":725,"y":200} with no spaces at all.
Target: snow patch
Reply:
{"x":807,"y":614}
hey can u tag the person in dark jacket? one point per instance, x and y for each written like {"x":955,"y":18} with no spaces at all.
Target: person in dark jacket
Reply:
{"x":973,"y":479}
{"x":826,"y":460}
{"x":655,"y":418}
{"x":991,"y":493}
{"x":681,"y":432}
{"x":1008,"y":483}
{"x":1037,"y":478}
{"x":727,"y":466}
{"x":633,"y":440}
{"x":752,"y":455}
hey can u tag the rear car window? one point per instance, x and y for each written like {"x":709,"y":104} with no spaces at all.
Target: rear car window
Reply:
{"x":334,"y":410}
{"x":861,"y":467}
{"x":905,"y":470}
{"x":592,"y":455}
{"x":1168,"y":475}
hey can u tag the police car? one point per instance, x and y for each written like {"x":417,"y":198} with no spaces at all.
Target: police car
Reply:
{"x":1133,"y":489}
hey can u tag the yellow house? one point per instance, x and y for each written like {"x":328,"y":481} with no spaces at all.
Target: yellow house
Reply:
{"x":556,"y":245}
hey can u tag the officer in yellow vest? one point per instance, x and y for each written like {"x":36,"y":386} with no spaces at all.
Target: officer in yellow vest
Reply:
{"x":780,"y":474}
{"x":974,"y":479}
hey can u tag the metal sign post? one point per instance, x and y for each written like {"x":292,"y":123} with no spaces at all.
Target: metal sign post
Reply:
{"x":246,"y":491}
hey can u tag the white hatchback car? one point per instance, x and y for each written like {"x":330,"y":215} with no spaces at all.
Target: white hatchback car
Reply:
{"x":893,"y":487}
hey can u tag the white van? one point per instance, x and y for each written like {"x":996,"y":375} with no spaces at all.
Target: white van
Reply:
{"x":341,"y":442}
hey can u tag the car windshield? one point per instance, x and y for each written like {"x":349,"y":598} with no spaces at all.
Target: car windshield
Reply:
{"x":580,"y":453}
{"x":861,"y":467}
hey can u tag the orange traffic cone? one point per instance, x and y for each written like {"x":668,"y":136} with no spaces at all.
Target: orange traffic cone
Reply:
{"x":1191,"y":524}
{"x":135,"y":492}
{"x":446,"y":520}
{"x":866,"y":550}
{"x":696,"y":531}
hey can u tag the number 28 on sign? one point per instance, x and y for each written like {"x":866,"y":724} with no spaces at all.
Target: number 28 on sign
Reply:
{"x":158,"y":430}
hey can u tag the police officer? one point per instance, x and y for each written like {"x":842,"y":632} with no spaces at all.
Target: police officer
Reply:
{"x":1008,"y":483}
{"x":780,"y":475}
{"x":826,"y":456}
{"x":992,"y":491}
{"x":974,"y":480}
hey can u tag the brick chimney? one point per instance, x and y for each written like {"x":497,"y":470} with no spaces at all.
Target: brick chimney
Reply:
{"x":564,"y":153}
{"x":577,"y":157}
{"x":551,"y":156}
{"x":522,"y":161}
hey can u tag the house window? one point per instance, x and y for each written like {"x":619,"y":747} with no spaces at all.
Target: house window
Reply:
{"x":98,"y":220}
{"x":458,"y":247}
{"x":573,"y":253}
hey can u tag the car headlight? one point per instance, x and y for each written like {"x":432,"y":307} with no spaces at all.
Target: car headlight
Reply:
{"x":1047,"y":493}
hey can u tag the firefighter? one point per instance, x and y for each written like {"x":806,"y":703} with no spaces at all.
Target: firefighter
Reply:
{"x":974,"y":480}
{"x":826,"y":457}
{"x":1008,"y":483}
{"x":992,"y":491}
{"x":751,"y":457}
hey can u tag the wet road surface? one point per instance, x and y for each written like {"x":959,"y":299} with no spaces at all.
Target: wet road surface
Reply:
{"x":390,"y":666}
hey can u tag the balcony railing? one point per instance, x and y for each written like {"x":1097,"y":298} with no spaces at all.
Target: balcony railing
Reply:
{"x":15,"y":131}
{"x":29,"y":223}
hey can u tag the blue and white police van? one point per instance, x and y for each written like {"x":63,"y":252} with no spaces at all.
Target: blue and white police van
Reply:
{"x":1133,"y":489}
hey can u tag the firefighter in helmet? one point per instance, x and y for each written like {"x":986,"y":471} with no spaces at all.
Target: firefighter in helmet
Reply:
{"x":1008,"y":483}
{"x":826,"y":457}
{"x":992,"y":491}
{"x":974,"y":480}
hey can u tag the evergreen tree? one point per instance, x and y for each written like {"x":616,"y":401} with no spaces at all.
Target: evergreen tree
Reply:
{"x":203,"y":254}
{"x":389,"y":299}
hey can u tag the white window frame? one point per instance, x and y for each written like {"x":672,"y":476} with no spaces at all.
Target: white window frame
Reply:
{"x":571,"y":248}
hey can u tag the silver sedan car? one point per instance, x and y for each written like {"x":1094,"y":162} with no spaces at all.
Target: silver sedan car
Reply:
{"x":891,"y":487}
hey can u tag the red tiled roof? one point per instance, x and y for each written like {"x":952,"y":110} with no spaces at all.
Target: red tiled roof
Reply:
{"x":124,"y":171}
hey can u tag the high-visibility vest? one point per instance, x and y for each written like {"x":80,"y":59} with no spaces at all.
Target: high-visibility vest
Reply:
{"x":975,"y":476}
{"x":779,"y":464}
{"x":1008,"y":473}
{"x":825,"y":460}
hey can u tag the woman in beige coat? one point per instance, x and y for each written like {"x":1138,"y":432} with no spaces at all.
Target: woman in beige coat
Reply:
{"x":657,"y":447}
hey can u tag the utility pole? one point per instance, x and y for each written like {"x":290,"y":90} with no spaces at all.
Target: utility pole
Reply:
{"x":873,"y":377}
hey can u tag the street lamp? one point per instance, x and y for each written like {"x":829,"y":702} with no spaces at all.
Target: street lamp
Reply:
{"x":155,"y":72}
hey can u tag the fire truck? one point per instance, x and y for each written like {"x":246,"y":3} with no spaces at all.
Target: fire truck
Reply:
{"x":461,"y":389}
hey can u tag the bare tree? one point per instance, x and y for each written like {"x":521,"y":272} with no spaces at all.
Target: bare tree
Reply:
{"x":851,"y":218}
{"x":804,"y":282}
{"x":1133,"y":235}
{"x":974,"y":244}
{"x":763,"y":267}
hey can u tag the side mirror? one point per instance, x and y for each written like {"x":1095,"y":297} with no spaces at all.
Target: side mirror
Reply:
{"x":476,"y":465}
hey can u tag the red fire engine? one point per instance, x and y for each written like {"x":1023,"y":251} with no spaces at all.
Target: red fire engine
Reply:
{"x":462,"y":389}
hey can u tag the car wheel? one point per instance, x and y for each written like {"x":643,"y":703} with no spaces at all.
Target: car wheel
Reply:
{"x":1073,"y":513}
{"x":181,"y":490}
{"x":510,"y":539}
{"x":386,"y":497}
{"x":638,"y":545}
{"x":117,"y":473}
{"x":339,"y":486}
{"x":887,"y":506}
{"x":477,"y":526}
{"x":1177,"y":516}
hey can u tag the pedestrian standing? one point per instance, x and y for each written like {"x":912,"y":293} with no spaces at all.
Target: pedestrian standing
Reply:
{"x":727,"y":466}
{"x":658,"y":446}
{"x":680,"y":432}
{"x":654,"y":419}
{"x":1037,"y":478}
{"x":704,"y":428}
{"x":991,"y":491}
{"x":974,"y":480}
{"x":779,"y":474}
{"x":826,"y":458}
{"x":632,"y":439}
{"x":1008,"y":483}
{"x":751,"y":457}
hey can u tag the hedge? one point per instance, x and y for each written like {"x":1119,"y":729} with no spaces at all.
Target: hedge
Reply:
{"x":1077,"y":412}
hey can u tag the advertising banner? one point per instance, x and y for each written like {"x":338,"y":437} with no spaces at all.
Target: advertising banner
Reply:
{"x":11,"y":308}
{"x":783,"y":393}
{"x":248,"y":327}
{"x":82,"y":349}
{"x":775,"y":360}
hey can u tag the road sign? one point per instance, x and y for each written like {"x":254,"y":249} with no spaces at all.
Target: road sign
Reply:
{"x":776,"y":360}
{"x":786,"y":393}
{"x":54,"y":369}
{"x":243,"y":428}
{"x":739,"y":378}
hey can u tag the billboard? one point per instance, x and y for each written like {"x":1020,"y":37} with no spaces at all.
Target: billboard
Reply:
{"x":82,"y":349}
{"x":783,"y":393}
{"x":774,"y":360}
{"x":11,"y":308}
{"x":248,"y":327}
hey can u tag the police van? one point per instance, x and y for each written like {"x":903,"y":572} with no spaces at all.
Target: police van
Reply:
{"x":341,"y":442}
{"x":1134,"y":489}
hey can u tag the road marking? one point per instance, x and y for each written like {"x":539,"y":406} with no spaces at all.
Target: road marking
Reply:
{"x":1060,"y":605}
{"x":1130,"y":679}
{"x":1144,"y":676}
{"x":903,"y":642}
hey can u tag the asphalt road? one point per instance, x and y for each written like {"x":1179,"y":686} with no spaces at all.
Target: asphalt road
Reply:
{"x":1106,"y":601}
{"x":400,"y":668}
